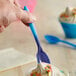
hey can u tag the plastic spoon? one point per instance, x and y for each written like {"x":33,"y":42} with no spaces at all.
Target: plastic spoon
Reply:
{"x":54,"y":40}
{"x":41,"y":55}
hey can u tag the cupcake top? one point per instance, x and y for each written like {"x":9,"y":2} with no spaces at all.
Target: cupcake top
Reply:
{"x":69,"y":15}
{"x":43,"y":69}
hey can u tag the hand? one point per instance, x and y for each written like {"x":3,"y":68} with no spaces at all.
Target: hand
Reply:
{"x":10,"y":11}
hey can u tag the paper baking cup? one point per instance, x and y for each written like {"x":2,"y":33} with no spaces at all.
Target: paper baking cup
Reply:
{"x":69,"y":29}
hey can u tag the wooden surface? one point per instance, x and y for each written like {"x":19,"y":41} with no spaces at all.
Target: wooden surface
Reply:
{"x":11,"y":58}
{"x":23,"y":70}
{"x":19,"y":37}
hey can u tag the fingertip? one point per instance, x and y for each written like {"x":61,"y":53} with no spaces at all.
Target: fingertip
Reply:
{"x":33,"y":18}
{"x":26,"y":17}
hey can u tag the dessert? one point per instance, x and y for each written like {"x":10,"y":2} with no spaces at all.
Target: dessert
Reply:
{"x":69,"y":15}
{"x":44,"y":69}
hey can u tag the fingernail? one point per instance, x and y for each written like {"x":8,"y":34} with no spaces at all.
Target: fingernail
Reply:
{"x":34,"y":18}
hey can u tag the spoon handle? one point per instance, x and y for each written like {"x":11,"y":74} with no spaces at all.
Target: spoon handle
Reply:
{"x":69,"y":43}
{"x":32,"y":27}
{"x":41,"y":55}
{"x":33,"y":30}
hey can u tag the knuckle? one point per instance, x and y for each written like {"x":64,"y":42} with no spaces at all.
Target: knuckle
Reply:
{"x":5,"y":21}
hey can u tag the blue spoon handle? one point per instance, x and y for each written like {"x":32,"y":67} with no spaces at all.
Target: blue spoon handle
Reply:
{"x":31,"y":25}
{"x":69,"y":43}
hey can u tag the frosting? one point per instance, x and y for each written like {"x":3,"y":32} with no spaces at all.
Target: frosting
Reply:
{"x":69,"y":15}
{"x":43,"y":69}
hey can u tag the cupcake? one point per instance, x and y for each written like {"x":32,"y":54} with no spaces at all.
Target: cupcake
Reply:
{"x":44,"y":69}
{"x":68,"y":22}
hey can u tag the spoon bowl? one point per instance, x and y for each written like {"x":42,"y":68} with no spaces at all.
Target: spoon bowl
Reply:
{"x":52,"y":39}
